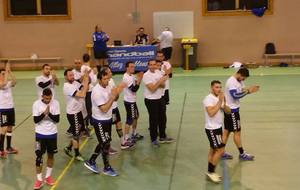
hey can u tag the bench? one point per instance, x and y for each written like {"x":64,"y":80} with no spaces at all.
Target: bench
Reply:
{"x":292,"y":57}
{"x":57,"y":59}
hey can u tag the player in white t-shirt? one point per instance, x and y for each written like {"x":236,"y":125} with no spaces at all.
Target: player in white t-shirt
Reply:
{"x":46,"y":113}
{"x":74,"y":93}
{"x":154,"y":81}
{"x":234,"y":91}
{"x":48,"y":79}
{"x":103,"y":98}
{"x":166,"y":67}
{"x":7,"y":111}
{"x":132,"y":113}
{"x":214,"y":106}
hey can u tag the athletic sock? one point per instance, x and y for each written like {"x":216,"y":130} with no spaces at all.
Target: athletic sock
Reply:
{"x":48,"y":172}
{"x":126,"y":137}
{"x":2,"y":137}
{"x":241,"y":150}
{"x":211,"y":168}
{"x":95,"y":154}
{"x":8,"y":139}
{"x":39,"y":177}
{"x":76,"y":151}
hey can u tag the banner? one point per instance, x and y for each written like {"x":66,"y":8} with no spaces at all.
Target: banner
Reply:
{"x":140,"y":55}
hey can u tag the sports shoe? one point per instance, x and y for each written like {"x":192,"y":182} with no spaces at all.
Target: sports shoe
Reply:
{"x":49,"y":181}
{"x":246,"y":157}
{"x":112,"y":151}
{"x":79,"y":158}
{"x":166,"y":140}
{"x":91,"y":166}
{"x":110,"y":172}
{"x":137,"y":137}
{"x":3,"y":154}
{"x":127,"y":145}
{"x":214,"y":177}
{"x":38,"y":184}
{"x":226,"y":156}
{"x":11,"y":150}
{"x":155,"y":144}
{"x":68,"y":152}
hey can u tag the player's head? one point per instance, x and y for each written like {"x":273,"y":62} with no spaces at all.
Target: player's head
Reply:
{"x":86,"y":58}
{"x":103,"y":78}
{"x":152,"y":66}
{"x":69,"y":75}
{"x":242,"y":74}
{"x":46,"y":69}
{"x":216,"y":87}
{"x":77,"y":64}
{"x":98,"y":28}
{"x":160,"y":56}
{"x":107,"y":70}
{"x":2,"y":74}
{"x":158,"y":64}
{"x":141,"y":30}
{"x":47,"y":95}
{"x":130,"y":67}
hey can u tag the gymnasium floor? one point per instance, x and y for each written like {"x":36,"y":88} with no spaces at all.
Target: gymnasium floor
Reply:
{"x":270,"y":122}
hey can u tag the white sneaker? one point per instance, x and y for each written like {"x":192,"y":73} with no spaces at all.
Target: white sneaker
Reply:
{"x":214,"y":177}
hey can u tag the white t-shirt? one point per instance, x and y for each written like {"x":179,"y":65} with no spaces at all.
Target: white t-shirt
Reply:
{"x":77,"y":74}
{"x":231,"y":84}
{"x":92,"y":76}
{"x":167,"y":65}
{"x":129,"y":80}
{"x":44,"y":79}
{"x":6,"y":98}
{"x":100,"y":96}
{"x":112,"y":85}
{"x":166,"y":39}
{"x":216,"y":121}
{"x":47,"y":126}
{"x":74,"y":104}
{"x":151,"y":78}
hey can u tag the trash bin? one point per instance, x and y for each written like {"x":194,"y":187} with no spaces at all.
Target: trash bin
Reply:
{"x":189,"y":46}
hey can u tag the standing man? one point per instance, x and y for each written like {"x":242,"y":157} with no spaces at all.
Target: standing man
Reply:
{"x":234,"y":91}
{"x":45,"y":112}
{"x":100,"y":39}
{"x":154,"y":85}
{"x":48,"y":79}
{"x":166,"y":67}
{"x":74,"y":93}
{"x":132,"y":113}
{"x":7,"y":111}
{"x":166,"y":41}
{"x":214,"y":106}
{"x":141,"y":38}
{"x":103,"y":98}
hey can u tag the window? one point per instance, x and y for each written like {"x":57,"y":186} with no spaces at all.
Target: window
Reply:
{"x":37,"y":9}
{"x":234,"y":7}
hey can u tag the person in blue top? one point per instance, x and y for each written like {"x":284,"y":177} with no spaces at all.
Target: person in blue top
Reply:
{"x":100,"y":39}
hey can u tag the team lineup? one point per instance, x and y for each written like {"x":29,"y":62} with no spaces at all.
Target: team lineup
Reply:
{"x":91,"y":97}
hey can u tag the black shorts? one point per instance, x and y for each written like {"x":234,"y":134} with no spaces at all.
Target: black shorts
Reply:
{"x":167,"y":52}
{"x":166,"y":97}
{"x":76,"y":122}
{"x":116,"y":117}
{"x":132,"y":112}
{"x":42,"y":145}
{"x":232,"y":122}
{"x":100,"y":54}
{"x":7,"y":117}
{"x":102,"y":130}
{"x":215,"y":137}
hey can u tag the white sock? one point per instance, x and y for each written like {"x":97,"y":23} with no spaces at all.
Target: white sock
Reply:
{"x":39,"y":177}
{"x":48,"y":172}
{"x":133,"y":132}
{"x":126,"y":137}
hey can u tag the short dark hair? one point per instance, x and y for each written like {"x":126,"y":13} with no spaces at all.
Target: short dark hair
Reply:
{"x":159,"y":51}
{"x":127,"y":64}
{"x":47,"y":92}
{"x":86,"y":57}
{"x":66,"y":71}
{"x":215,"y":82}
{"x":101,"y":74}
{"x":158,"y":61}
{"x":244,"y":72}
{"x":151,"y":60}
{"x":2,"y":70}
{"x":141,"y":28}
{"x":45,"y":65}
